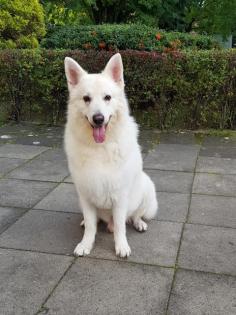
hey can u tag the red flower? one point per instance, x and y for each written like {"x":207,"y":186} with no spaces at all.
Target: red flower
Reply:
{"x":158,"y":36}
{"x":102,"y":45}
{"x":87,"y":46}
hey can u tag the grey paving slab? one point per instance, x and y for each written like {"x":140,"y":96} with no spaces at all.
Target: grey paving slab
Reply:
{"x":105,"y":287}
{"x":219,"y":141}
{"x":43,"y":170}
{"x":16,"y":128}
{"x":197,"y":293}
{"x":158,"y":245}
{"x":148,"y":139}
{"x":207,"y":248}
{"x":32,"y":134}
{"x":216,"y":165}
{"x":62,"y":198}
{"x":22,"y":193}
{"x":173,"y":157}
{"x":42,"y":140}
{"x":68,"y":179}
{"x":9,"y":216}
{"x":7,"y":164}
{"x":52,"y":155}
{"x":56,"y":232}
{"x":45,"y":231}
{"x":19,"y":151}
{"x":10,"y":139}
{"x":53,"y":226}
{"x":169,"y":181}
{"x":30,"y":128}
{"x":215,"y":184}
{"x":178,"y":138}
{"x":218,"y":151}
{"x":26,"y":279}
{"x":213,"y":210}
{"x":172,"y":206}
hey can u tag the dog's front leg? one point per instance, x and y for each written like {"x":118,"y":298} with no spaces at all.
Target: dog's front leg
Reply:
{"x":121,"y":245}
{"x":90,"y":224}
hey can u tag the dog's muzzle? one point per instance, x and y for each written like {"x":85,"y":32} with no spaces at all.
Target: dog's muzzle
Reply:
{"x":98,"y":120}
{"x":99,"y":127}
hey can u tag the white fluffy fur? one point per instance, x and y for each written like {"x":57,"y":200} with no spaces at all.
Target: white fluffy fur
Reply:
{"x":108,"y":176}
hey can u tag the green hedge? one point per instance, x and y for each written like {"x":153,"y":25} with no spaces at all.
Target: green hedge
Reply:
{"x":177,"y":90}
{"x":123,"y":36}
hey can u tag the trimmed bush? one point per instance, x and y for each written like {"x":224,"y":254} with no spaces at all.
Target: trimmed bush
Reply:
{"x":176,"y":90}
{"x":123,"y":36}
{"x":21,"y":23}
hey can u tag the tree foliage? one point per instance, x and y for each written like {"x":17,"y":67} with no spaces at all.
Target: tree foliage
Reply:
{"x":213,"y":16}
{"x":21,"y":23}
{"x":209,"y":16}
{"x":68,"y":12}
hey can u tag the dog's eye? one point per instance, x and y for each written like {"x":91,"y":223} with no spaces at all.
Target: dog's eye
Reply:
{"x":107,"y":97}
{"x":87,"y":99}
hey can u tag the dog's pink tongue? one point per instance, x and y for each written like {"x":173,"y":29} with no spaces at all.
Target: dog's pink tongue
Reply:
{"x":99,"y":134}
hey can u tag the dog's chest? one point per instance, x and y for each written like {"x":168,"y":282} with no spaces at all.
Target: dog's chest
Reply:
{"x":100,"y":177}
{"x":101,"y":187}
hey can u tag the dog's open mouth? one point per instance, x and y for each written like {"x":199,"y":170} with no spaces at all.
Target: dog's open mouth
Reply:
{"x":99,"y":132}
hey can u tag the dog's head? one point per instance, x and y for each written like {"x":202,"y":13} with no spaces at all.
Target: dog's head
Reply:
{"x":97,"y":97}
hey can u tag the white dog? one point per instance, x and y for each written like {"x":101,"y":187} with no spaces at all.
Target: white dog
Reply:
{"x":104,"y":156}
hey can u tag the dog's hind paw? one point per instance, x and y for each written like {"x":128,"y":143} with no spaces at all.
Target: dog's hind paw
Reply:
{"x":123,"y":249}
{"x":140,"y":225}
{"x":82,"y":249}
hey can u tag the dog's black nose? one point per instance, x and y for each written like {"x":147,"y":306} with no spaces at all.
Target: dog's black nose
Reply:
{"x":98,"y":119}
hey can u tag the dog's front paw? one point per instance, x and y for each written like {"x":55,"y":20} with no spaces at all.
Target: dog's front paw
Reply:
{"x":123,"y":249}
{"x":82,"y":249}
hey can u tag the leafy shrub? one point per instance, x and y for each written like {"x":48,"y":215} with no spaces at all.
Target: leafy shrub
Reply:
{"x":123,"y":36}
{"x":174,"y":90}
{"x":21,"y":23}
{"x":65,"y":13}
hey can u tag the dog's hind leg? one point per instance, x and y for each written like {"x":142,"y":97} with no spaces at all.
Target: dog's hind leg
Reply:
{"x":137,"y":221}
{"x":150,"y":204}
{"x":139,"y":224}
{"x":110,"y":225}
{"x":106,"y":216}
{"x":148,"y":207}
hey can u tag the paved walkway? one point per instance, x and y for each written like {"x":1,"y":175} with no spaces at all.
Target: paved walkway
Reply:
{"x":185,"y":264}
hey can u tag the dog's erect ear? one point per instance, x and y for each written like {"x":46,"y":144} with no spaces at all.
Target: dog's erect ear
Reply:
{"x":73,"y":72}
{"x":114,"y":69}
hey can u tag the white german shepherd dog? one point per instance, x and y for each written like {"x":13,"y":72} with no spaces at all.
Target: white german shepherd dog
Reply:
{"x":104,"y":156}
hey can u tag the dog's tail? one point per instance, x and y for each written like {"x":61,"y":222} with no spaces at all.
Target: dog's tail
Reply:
{"x":150,"y":199}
